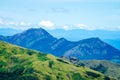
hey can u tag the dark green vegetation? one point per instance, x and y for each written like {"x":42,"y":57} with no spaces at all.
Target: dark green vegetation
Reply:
{"x":87,"y":49}
{"x":103,"y":66}
{"x":17,"y":63}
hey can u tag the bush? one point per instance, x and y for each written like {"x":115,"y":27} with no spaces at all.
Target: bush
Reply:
{"x":29,"y":70}
{"x":47,"y":77}
{"x":18,"y":70}
{"x":30,"y":52}
{"x":77,"y":76}
{"x":28,"y":78}
{"x":3,"y":51}
{"x":62,"y":61}
{"x":107,"y":78}
{"x":51,"y":64}
{"x":42,"y":57}
{"x":92,"y":74}
{"x":2,"y":63}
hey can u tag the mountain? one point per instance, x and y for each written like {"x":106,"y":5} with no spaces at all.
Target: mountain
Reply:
{"x":61,"y":46}
{"x":93,"y":48}
{"x":111,"y":37}
{"x":106,"y":67}
{"x":17,"y":63}
{"x":37,"y":39}
{"x":41,"y":40}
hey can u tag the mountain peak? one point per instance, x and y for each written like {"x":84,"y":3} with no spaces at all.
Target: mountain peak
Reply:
{"x":37,"y":31}
{"x":30,"y":37}
{"x":62,"y":39}
{"x":33,"y":33}
{"x":91,"y":40}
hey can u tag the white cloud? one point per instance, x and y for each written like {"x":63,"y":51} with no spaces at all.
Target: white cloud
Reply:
{"x":66,"y":27}
{"x":84,"y":26}
{"x":14,"y":25}
{"x":1,"y":21}
{"x":24,"y":24}
{"x":78,"y":26}
{"x":88,"y":27}
{"x":47,"y":24}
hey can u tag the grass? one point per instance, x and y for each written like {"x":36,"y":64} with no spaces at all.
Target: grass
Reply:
{"x":106,"y":67}
{"x":18,"y":63}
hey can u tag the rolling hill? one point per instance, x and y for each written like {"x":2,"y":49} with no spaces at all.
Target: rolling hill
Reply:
{"x":17,"y":63}
{"x":106,"y":67}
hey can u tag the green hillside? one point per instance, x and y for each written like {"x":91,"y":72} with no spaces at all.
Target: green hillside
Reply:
{"x":103,"y":66}
{"x":18,"y":63}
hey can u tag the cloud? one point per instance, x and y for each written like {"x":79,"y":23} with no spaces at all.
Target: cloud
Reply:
{"x":78,"y":26}
{"x":24,"y":24}
{"x":84,"y":26}
{"x":59,"y":10}
{"x":66,"y":28}
{"x":1,"y":21}
{"x":47,"y":24}
{"x":5,"y":23}
{"x":88,"y":27}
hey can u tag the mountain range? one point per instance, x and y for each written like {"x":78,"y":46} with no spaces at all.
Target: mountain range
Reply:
{"x":17,"y":63}
{"x":111,"y":37}
{"x":39,"y":39}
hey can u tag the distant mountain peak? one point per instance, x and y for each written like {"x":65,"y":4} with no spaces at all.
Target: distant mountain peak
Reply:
{"x":91,"y":40}
{"x":37,"y":31}
{"x":62,"y":39}
{"x":33,"y":33}
{"x":30,"y":37}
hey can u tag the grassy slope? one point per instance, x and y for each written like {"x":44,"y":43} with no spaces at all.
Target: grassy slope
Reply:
{"x":105,"y":67}
{"x":18,"y":63}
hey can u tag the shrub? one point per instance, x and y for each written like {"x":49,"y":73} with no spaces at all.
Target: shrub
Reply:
{"x":92,"y":74}
{"x":77,"y":76}
{"x":42,"y":57}
{"x":47,"y":77}
{"x":51,"y":64}
{"x":28,"y":78}
{"x":62,"y":61}
{"x":2,"y":63}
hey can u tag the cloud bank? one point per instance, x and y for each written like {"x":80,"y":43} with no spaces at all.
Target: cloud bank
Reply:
{"x":48,"y":24}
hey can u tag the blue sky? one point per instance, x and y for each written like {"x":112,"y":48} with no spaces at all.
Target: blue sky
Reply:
{"x":60,"y":14}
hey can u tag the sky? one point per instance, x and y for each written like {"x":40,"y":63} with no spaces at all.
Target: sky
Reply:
{"x":60,"y":14}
